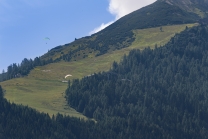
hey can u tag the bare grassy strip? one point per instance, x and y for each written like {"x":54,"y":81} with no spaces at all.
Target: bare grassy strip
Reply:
{"x":43,"y":88}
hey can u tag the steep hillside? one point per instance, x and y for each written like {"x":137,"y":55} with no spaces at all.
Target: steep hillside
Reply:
{"x":160,"y":93}
{"x":120,"y":34}
{"x":43,"y":88}
{"x":115,"y":37}
{"x":151,"y":92}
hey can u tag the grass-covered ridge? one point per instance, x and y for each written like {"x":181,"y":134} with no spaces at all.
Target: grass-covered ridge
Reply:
{"x":120,"y":34}
{"x":43,"y":88}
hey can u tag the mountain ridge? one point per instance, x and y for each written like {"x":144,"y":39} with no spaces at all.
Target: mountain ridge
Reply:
{"x":119,"y":34}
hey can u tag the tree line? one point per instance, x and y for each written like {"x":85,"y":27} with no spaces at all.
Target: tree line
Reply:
{"x":19,"y":70}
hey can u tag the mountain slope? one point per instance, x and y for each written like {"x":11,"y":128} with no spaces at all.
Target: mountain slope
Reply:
{"x":43,"y":89}
{"x":116,"y":36}
{"x":120,"y":34}
{"x":160,"y":93}
{"x":164,"y":89}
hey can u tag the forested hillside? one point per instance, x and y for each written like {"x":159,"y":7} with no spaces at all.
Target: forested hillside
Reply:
{"x":160,"y":93}
{"x":150,"y":94}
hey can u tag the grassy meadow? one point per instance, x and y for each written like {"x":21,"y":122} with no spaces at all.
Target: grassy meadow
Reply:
{"x":43,"y":89}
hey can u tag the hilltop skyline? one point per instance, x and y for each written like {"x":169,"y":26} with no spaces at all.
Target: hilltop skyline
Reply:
{"x":25,"y":25}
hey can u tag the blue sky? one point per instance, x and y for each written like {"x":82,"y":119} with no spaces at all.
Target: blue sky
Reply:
{"x":24,"y":24}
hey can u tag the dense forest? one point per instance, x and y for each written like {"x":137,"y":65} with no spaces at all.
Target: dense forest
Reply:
{"x":160,"y":93}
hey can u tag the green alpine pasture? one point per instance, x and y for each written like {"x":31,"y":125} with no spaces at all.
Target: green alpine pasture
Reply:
{"x":44,"y":88}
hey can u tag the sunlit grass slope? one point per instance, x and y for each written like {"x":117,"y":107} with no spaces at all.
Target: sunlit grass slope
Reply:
{"x":152,"y":36}
{"x":43,"y":89}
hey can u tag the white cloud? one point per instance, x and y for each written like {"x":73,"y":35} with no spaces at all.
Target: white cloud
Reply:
{"x":101,"y":27}
{"x":120,"y":8}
